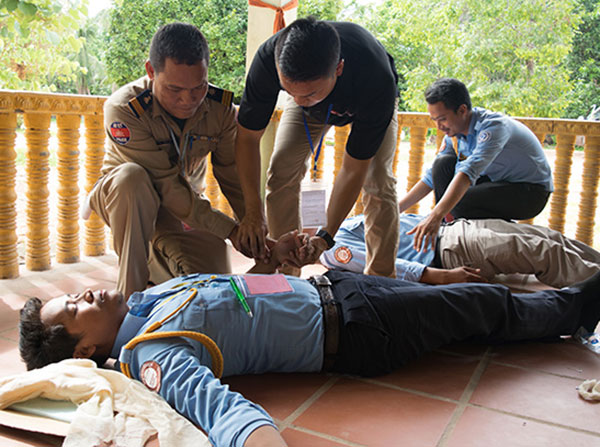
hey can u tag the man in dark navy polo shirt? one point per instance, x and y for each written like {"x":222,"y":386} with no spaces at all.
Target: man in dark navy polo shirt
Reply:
{"x":336,"y":73}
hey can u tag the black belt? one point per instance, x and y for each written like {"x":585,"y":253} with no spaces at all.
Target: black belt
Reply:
{"x":331,"y":319}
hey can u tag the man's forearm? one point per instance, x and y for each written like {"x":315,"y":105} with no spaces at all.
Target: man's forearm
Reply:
{"x":346,"y":189}
{"x":247,"y":159}
{"x":415,"y":195}
{"x":456,"y":190}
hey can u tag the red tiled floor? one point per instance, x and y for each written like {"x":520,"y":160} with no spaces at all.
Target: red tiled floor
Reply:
{"x":377,"y":416}
{"x":567,"y":358}
{"x":436,"y":373}
{"x":533,"y":403}
{"x":279,"y":394}
{"x":542,"y":396}
{"x":479,"y":427}
{"x":296,"y":438}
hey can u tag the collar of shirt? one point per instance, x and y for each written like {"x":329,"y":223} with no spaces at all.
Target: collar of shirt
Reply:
{"x":474,"y":125}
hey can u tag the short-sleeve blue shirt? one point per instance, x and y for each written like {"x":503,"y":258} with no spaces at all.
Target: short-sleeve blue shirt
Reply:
{"x":501,"y":148}
{"x":285,"y":335}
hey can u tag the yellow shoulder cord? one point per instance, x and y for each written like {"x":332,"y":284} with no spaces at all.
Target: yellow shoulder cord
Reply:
{"x":149,"y":334}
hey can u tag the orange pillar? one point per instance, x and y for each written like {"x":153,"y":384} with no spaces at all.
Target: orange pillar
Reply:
{"x":94,"y":236}
{"x":415,"y":160}
{"x":562,"y":174}
{"x":37,"y":133}
{"x":589,"y":191}
{"x":9,"y":259}
{"x":67,"y":243}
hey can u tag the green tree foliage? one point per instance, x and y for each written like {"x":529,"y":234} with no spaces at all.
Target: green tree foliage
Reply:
{"x":134,"y":22}
{"x":322,"y":9}
{"x":510,"y":53}
{"x":91,"y":78}
{"x":584,"y":61}
{"x":36,"y":38}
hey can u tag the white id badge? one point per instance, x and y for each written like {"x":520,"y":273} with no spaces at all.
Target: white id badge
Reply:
{"x":313,"y":204}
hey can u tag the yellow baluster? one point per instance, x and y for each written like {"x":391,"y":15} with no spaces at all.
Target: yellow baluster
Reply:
{"x":37,"y":133}
{"x":589,"y":190}
{"x":94,"y":235}
{"x":67,"y":244}
{"x":9,"y":260}
{"x":415,"y":160}
{"x":339,"y":145}
{"x":562,"y":173}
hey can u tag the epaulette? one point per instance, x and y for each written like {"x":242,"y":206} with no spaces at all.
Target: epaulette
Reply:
{"x":225,"y":97}
{"x":140,"y":103}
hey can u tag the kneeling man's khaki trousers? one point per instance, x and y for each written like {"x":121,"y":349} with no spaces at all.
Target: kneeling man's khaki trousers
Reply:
{"x":151,"y":243}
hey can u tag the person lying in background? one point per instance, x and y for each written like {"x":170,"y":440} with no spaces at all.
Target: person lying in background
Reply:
{"x":473,"y":251}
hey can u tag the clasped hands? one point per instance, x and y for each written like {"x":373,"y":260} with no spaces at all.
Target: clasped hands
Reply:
{"x":297,"y":249}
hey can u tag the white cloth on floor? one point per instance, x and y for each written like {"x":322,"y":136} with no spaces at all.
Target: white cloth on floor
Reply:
{"x":111,"y":407}
{"x":590,"y":389}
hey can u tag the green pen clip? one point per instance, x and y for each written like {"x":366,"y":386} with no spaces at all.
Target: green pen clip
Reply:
{"x":240,"y":296}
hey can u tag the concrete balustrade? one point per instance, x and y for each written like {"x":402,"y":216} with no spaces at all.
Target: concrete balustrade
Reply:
{"x":70,"y":110}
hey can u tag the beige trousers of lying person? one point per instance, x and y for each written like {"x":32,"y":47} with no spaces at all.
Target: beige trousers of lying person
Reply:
{"x":152,"y":245}
{"x":289,"y":163}
{"x":497,"y":246}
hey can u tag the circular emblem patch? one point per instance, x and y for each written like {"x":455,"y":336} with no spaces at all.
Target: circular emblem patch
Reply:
{"x":151,"y":375}
{"x":343,"y":255}
{"x":483,"y":136}
{"x":120,"y":132}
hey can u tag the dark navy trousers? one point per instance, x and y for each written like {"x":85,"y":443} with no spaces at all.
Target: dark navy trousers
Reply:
{"x":387,"y":322}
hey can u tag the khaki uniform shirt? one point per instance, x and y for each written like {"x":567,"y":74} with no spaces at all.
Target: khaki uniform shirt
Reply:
{"x":142,"y":132}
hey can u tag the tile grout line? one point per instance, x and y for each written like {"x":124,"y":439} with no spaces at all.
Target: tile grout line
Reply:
{"x":465,"y":397}
{"x":308,"y":402}
{"x":534,"y":419}
{"x":287,"y":422}
{"x":406,"y":390}
{"x":536,"y":370}
{"x":341,"y":441}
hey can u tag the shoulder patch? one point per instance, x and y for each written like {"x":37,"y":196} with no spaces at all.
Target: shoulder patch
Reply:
{"x":483,"y":136}
{"x":151,"y":375}
{"x":225,"y":97}
{"x":140,"y":103}
{"x":343,"y":255}
{"x":120,"y":132}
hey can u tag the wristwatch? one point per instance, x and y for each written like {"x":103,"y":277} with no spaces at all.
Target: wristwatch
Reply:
{"x":326,"y":236}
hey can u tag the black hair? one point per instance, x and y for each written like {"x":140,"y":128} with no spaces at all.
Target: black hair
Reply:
{"x":450,"y":91}
{"x":182,"y":42}
{"x":307,"y":49}
{"x":40,"y":345}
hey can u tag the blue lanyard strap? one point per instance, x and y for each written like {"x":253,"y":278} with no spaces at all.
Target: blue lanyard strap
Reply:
{"x":310,"y":142}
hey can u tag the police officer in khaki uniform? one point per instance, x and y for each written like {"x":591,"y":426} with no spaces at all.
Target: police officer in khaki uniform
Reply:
{"x":162,"y":128}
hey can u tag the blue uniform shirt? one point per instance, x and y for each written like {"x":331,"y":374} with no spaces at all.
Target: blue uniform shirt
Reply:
{"x":286,"y":334}
{"x":349,"y":250}
{"x":501,"y":148}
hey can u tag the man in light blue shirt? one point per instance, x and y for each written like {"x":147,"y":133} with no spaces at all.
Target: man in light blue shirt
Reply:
{"x":498,"y":169}
{"x":473,"y":251}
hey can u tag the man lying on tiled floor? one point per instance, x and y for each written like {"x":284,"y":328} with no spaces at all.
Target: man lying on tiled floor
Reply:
{"x":472,"y":251}
{"x":341,"y":322}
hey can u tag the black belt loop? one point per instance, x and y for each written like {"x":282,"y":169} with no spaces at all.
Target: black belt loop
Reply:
{"x":330,"y":318}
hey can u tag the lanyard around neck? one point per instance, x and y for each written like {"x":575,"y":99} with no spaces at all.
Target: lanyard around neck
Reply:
{"x":310,"y":142}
